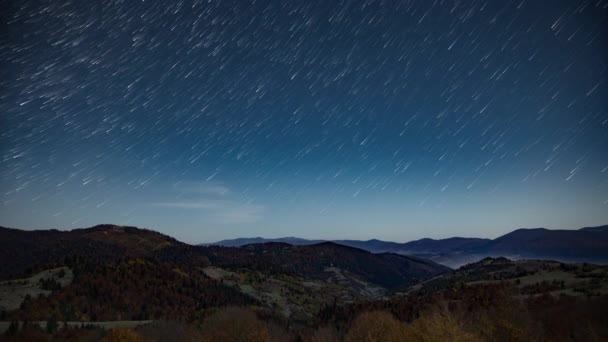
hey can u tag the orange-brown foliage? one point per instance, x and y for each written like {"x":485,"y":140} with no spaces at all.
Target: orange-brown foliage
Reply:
{"x":122,"y":335}
{"x":373,"y":326}
{"x":234,"y":325}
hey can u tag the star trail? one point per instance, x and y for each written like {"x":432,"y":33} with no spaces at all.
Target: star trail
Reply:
{"x":319,"y":119}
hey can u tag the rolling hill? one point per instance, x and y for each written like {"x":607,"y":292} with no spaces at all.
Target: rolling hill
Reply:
{"x":34,"y":249}
{"x":320,"y":261}
{"x":132,"y":273}
{"x":589,"y":244}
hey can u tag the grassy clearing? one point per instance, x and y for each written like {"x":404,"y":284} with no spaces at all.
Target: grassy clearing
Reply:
{"x":13,"y":292}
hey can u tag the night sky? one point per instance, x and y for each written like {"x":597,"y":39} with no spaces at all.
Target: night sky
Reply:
{"x":320,"y":119}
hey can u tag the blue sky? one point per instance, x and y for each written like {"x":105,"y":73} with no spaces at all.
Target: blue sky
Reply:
{"x":212,"y":120}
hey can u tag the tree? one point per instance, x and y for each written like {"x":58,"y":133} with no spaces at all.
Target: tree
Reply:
{"x":235,"y":325}
{"x":438,"y":325}
{"x":323,"y":334}
{"x":375,"y":326}
{"x":12,"y":329}
{"x":123,"y":335}
{"x":51,"y":324}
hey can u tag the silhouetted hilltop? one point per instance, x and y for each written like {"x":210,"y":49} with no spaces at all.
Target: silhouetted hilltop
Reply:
{"x":248,"y":241}
{"x":584,"y":244}
{"x":441,"y":246}
{"x":38,"y":248}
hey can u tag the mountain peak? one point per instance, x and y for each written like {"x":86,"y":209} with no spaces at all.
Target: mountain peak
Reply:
{"x":598,"y":229}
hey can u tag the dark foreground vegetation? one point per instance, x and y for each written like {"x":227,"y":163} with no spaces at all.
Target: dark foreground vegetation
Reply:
{"x":485,"y":312}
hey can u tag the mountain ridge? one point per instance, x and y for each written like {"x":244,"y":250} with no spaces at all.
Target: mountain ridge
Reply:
{"x":583,"y":244}
{"x":109,"y":243}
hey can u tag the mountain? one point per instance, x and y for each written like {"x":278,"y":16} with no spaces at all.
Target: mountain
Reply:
{"x":121,"y":274}
{"x":112,"y":272}
{"x":30,"y":249}
{"x":600,"y":229}
{"x":118,"y":273}
{"x":450,"y":245}
{"x":588,"y":244}
{"x":373,"y":245}
{"x":324,"y":260}
{"x":248,"y":241}
{"x":528,"y":277}
{"x":423,"y":246}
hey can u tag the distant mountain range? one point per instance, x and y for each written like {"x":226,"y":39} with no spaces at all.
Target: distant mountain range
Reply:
{"x":588,"y":244}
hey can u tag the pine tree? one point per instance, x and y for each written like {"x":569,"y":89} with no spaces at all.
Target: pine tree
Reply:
{"x":13,"y":328}
{"x":51,"y":325}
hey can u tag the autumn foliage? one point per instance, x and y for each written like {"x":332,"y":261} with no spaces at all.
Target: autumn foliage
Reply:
{"x":131,"y":289}
{"x":234,"y":325}
{"x":375,"y":326}
{"x":122,"y":335}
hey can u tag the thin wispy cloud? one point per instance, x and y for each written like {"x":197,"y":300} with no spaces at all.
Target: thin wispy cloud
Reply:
{"x":219,"y":211}
{"x":202,"y":204}
{"x":213,"y":200}
{"x":207,"y":188}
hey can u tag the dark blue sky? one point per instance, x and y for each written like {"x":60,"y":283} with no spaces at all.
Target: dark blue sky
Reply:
{"x":321,"y":119}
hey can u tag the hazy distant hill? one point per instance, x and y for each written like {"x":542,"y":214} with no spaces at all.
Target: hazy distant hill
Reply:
{"x":600,"y":229}
{"x":586,"y":244}
{"x":248,"y":241}
{"x":422,"y":246}
{"x":373,"y":245}
{"x":431,"y":246}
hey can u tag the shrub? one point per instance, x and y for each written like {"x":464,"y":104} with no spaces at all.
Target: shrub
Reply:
{"x":438,"y":325}
{"x":378,"y":326}
{"x":122,"y":335}
{"x":234,"y":325}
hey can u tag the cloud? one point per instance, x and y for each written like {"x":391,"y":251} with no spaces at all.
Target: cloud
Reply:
{"x":242,"y":214}
{"x":214,"y":201}
{"x":206,"y":188}
{"x":201,"y":204}
{"x":219,"y":211}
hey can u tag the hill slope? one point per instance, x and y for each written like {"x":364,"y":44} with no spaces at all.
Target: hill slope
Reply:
{"x":30,"y":249}
{"x":238,"y":242}
{"x":131,"y":273}
{"x":321,"y":260}
{"x":584,"y":244}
